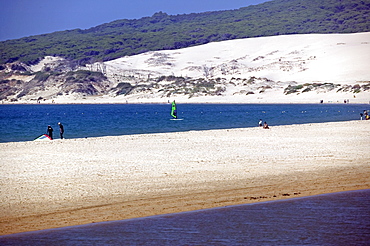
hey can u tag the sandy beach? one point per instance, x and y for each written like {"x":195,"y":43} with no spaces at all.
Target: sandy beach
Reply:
{"x":78,"y":181}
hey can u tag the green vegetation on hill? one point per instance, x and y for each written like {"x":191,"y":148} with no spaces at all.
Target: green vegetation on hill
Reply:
{"x":161,"y":31}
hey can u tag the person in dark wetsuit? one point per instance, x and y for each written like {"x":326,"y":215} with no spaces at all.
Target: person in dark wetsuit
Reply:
{"x":50,"y":131}
{"x":61,"y":128}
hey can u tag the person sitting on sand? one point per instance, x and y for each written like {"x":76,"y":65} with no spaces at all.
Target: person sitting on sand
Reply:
{"x":260,"y":123}
{"x":265,"y":126}
{"x":366,"y":114}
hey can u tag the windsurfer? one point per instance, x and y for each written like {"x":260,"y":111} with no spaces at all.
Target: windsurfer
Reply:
{"x":175,"y":114}
{"x":174,"y":110}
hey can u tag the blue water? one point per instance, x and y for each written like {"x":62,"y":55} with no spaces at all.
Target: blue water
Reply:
{"x":26,"y":122}
{"x":333,"y":219}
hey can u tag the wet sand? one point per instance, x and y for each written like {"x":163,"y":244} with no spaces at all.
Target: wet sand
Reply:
{"x":79,"y":181}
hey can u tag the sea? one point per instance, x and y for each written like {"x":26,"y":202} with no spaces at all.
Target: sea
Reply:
{"x":27,"y":122}
{"x":331,"y":219}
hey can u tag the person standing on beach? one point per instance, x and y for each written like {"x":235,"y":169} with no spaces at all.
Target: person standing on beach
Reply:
{"x":61,"y":128}
{"x":50,"y":132}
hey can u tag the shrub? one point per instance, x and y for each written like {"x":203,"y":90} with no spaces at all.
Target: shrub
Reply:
{"x":42,"y":76}
{"x":292,"y":89}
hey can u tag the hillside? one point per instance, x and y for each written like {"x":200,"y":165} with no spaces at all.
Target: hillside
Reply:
{"x":280,"y":69}
{"x":168,"y":32}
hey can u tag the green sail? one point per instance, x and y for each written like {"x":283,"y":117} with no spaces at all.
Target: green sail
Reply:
{"x":174,"y":110}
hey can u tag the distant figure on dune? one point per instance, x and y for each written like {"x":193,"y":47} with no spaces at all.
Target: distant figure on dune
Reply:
{"x":50,"y":132}
{"x":265,"y":126}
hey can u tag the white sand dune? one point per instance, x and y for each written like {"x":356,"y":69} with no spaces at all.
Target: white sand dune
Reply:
{"x":303,"y":58}
{"x":279,"y":60}
{"x":275,"y":62}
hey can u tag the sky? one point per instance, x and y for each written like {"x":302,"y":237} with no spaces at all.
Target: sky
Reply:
{"x":23,"y":18}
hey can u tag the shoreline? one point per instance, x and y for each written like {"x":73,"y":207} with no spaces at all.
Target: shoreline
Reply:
{"x":134,"y":134}
{"x":81,"y":181}
{"x":273,"y":97}
{"x":185,"y":101}
{"x":261,"y":201}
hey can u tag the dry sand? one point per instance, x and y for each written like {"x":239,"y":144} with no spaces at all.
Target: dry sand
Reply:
{"x":78,"y":181}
